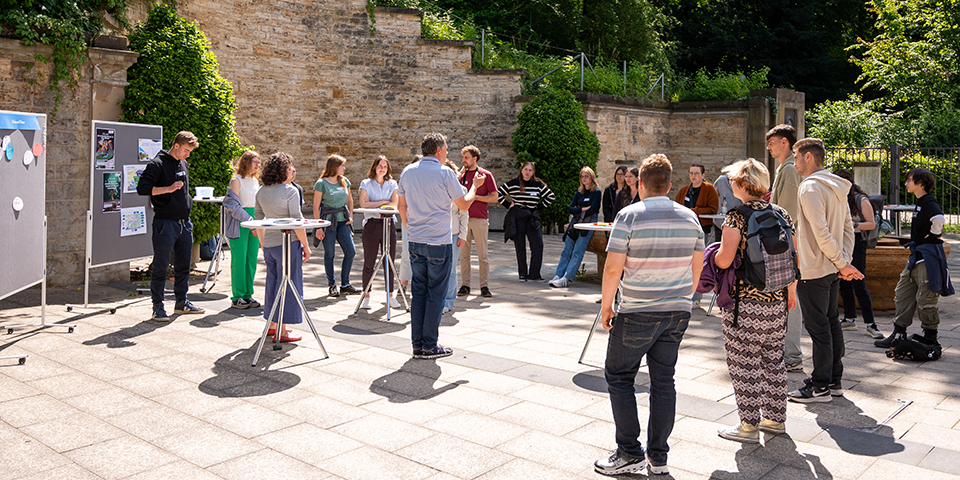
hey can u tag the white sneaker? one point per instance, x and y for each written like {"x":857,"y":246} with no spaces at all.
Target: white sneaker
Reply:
{"x":559,"y":283}
{"x":554,"y":279}
{"x":394,"y":303}
{"x":365,"y":303}
{"x":657,"y":469}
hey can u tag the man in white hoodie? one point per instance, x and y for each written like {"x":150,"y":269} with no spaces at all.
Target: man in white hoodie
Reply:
{"x":824,"y":249}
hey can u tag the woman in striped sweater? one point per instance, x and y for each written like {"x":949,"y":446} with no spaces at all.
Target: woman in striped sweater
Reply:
{"x":530,"y":193}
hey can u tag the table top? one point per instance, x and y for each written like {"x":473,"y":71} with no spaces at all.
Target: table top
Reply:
{"x":900,"y":207}
{"x":713,"y":216}
{"x":601,"y":226}
{"x":209,"y":199}
{"x":381,"y":211}
{"x":284,"y":224}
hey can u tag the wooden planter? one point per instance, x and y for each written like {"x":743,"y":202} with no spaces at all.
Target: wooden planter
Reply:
{"x":884,"y":265}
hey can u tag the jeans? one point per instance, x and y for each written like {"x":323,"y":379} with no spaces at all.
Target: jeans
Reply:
{"x":656,"y":335}
{"x":431,"y":271}
{"x":856,"y":290}
{"x":818,"y":302}
{"x":529,"y":229}
{"x":573,"y":250}
{"x":343,"y":236}
{"x":174,"y":236}
{"x":273,"y":257}
{"x":452,"y":282}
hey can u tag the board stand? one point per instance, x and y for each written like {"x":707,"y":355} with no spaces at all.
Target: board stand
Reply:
{"x":86,"y":273}
{"x":596,"y":321}
{"x":43,"y":302}
{"x":387,"y":219}
{"x":218,"y":251}
{"x":280,"y":300}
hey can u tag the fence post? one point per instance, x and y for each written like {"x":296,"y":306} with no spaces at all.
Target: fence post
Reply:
{"x":624,"y":76}
{"x":895,"y":173}
{"x":581,"y":71}
{"x":483,"y":45}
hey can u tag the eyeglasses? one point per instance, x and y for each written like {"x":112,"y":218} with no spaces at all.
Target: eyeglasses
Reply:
{"x":909,"y":179}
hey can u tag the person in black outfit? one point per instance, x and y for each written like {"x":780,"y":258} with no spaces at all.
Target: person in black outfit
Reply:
{"x":166,"y":181}
{"x":525,"y":196}
{"x":630,"y":193}
{"x":610,"y":193}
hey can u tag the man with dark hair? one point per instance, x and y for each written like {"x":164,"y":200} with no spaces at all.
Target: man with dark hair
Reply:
{"x":657,"y":247}
{"x":478,"y":226}
{"x":702,"y":198}
{"x":824,"y":250}
{"x":426,"y":190}
{"x":780,"y":140}
{"x":925,"y":278}
{"x":166,"y":181}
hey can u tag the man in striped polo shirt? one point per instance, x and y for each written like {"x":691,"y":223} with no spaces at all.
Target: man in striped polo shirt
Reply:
{"x":657,"y":247}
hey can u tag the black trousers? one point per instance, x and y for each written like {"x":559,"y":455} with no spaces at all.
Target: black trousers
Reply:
{"x":856,"y":290}
{"x":529,"y":229}
{"x":171,"y":236}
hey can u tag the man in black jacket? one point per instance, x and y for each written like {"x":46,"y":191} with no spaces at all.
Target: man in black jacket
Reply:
{"x":166,"y":181}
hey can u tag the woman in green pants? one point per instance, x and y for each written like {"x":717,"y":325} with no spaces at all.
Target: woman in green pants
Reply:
{"x":244,"y":244}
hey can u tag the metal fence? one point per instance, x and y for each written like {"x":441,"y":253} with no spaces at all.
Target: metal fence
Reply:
{"x":895,"y":161}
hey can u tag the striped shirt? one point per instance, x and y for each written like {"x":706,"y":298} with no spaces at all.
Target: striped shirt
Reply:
{"x":537,"y":193}
{"x":659,"y":238}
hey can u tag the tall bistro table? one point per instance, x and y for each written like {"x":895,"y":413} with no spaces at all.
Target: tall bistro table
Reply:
{"x":600,"y":227}
{"x":386,"y":214}
{"x":712,"y":216}
{"x":895,"y":213}
{"x":218,"y":251}
{"x":285,"y":226}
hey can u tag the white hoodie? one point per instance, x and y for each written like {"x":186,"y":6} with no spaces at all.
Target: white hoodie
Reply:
{"x":824,"y":227}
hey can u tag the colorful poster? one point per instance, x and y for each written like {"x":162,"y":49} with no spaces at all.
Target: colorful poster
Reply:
{"x":148,"y":149}
{"x":111,"y":192}
{"x":131,"y":177}
{"x":104,"y":154}
{"x":133,"y":221}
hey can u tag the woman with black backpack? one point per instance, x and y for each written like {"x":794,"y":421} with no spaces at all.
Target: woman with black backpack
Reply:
{"x":854,"y":291}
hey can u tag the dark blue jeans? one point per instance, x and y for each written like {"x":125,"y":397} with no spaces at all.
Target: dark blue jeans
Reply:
{"x":656,"y":335}
{"x":428,"y":287}
{"x":343,"y":236}
{"x":171,"y":236}
{"x":821,"y":318}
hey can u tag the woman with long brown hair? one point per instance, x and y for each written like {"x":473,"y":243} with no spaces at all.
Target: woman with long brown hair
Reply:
{"x":332,"y":201}
{"x":528,"y":195}
{"x":583,"y":208}
{"x":379,"y":189}
{"x":244,"y":246}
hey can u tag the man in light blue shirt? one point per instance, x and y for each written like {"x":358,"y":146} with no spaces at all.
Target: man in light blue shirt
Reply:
{"x":426,"y":190}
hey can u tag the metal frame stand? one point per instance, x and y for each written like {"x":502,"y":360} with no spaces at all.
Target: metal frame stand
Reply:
{"x":596,"y":321}
{"x":43,"y":302}
{"x":387,"y":262}
{"x":217,"y":255}
{"x":86,"y":272}
{"x":280,"y":301}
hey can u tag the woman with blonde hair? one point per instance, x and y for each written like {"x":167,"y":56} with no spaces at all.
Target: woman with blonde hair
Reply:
{"x":244,"y":245}
{"x":583,"y":208}
{"x":754,"y":330}
{"x":332,"y":201}
{"x":379,"y":189}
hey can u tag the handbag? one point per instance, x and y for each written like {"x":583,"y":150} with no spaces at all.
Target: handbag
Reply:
{"x":571,"y":231}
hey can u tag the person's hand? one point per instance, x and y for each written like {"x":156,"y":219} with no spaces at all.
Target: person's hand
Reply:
{"x":349,"y":222}
{"x":319,"y":234}
{"x":306,"y":253}
{"x":461,"y":242}
{"x":849,"y":272}
{"x":511,"y":205}
{"x":176,"y":186}
{"x":478,"y":179}
{"x":404,"y":283}
{"x":791,"y":299}
{"x":607,"y":315}
{"x":584,"y":209}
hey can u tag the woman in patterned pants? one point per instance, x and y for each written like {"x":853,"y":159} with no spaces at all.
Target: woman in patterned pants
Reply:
{"x":754,"y":338}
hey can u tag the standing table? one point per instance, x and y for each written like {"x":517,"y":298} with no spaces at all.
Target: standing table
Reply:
{"x":896,"y":209}
{"x":601,"y":227}
{"x":385,"y":259}
{"x":286,"y":226}
{"x":218,"y":250}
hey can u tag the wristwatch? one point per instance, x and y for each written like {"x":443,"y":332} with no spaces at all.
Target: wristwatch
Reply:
{"x":856,"y":225}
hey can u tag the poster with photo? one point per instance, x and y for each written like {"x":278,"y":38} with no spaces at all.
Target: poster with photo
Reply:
{"x":105,"y":144}
{"x":148,"y":149}
{"x":133,"y":221}
{"x":131,"y":177}
{"x":111,"y":192}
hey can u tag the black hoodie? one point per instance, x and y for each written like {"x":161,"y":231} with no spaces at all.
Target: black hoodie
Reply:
{"x":163,"y":171}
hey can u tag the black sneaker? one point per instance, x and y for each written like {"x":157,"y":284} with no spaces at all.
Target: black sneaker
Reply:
{"x":619,"y":463}
{"x":485,"y":292}
{"x":523,"y":279}
{"x":348,"y":290}
{"x":186,"y":307}
{"x":810,"y":394}
{"x":836,"y":390}
{"x":417,"y":353}
{"x":240,"y":304}
{"x":464,"y":290}
{"x":253,"y":303}
{"x":159,"y":313}
{"x":893,"y":338}
{"x":334,"y":290}
{"x":437,"y":352}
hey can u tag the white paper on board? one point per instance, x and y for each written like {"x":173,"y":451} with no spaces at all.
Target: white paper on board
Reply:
{"x":133,"y":221}
{"x":148,"y":149}
{"x":131,"y":177}
{"x":28,"y":157}
{"x":17,"y":204}
{"x":5,"y":142}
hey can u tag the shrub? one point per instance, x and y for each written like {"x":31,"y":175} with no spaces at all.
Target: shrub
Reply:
{"x":553,"y":133}
{"x":176,"y":83}
{"x":720,"y":86}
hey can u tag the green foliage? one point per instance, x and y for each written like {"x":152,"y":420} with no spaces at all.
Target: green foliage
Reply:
{"x":441,"y":26}
{"x":553,"y":133}
{"x":66,"y":26}
{"x":721,"y":86}
{"x":176,"y":83}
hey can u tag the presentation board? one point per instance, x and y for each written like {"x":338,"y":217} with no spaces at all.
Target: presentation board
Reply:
{"x":120,"y":220}
{"x":23,"y":199}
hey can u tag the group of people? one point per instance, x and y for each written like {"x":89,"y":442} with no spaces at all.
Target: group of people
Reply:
{"x":657,"y":255}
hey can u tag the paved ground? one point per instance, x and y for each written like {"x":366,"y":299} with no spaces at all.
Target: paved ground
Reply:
{"x":126,"y":397}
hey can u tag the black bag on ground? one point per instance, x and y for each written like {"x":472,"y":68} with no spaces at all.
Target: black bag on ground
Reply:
{"x":917,"y":348}
{"x":207,"y":248}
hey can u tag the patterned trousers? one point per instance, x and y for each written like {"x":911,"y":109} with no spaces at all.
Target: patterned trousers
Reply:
{"x":754,"y":349}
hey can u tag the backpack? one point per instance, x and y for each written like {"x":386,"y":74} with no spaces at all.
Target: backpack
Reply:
{"x":916,"y":348}
{"x":871,"y":237}
{"x":769,"y":261}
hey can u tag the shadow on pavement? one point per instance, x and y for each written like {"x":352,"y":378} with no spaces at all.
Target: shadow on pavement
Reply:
{"x":121,"y":338}
{"x":414,"y":379}
{"x":234,"y":377}
{"x":853,"y":431}
{"x":755,"y":462}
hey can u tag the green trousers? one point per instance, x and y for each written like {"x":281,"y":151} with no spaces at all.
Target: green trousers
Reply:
{"x":243,"y":262}
{"x":913,"y":295}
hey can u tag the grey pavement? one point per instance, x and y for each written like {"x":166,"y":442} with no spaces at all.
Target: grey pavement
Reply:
{"x":124,"y":397}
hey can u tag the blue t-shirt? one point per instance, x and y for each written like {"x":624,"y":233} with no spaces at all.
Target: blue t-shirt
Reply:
{"x":428,"y":189}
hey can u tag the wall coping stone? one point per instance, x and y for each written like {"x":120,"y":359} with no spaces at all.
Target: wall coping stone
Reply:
{"x":499,"y":71}
{"x":401,"y":11}
{"x":447,"y":43}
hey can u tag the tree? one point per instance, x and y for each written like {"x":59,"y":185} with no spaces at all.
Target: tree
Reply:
{"x":176,"y":84}
{"x":553,"y":133}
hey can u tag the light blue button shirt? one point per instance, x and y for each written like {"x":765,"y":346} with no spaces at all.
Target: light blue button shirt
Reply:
{"x":377,"y":193}
{"x":428,"y":189}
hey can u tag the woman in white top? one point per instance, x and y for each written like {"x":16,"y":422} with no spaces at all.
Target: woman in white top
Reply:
{"x":378,"y":190}
{"x":244,"y":249}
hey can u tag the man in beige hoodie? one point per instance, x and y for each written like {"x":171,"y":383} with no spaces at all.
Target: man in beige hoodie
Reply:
{"x":824,"y":249}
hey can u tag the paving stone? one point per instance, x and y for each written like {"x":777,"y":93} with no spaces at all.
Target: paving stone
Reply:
{"x":72,"y":431}
{"x":73,"y":472}
{"x":556,"y":397}
{"x":321,"y":411}
{"x":155,"y":422}
{"x":492,"y":382}
{"x":32,"y":410}
{"x":884,"y":468}
{"x":541,"y":418}
{"x":554,"y":451}
{"x":716,"y":463}
{"x":466,"y":398}
{"x":196,"y":402}
{"x":17,"y":448}
{"x":309,"y":443}
{"x":391,"y":434}
{"x":207,"y":445}
{"x":12,"y":389}
{"x":455,"y":456}
{"x":266,"y":463}
{"x":406,"y":408}
{"x":519,"y":468}
{"x":479,"y":429}
{"x":127,"y":456}
{"x":180,"y":469}
{"x":369,"y":463}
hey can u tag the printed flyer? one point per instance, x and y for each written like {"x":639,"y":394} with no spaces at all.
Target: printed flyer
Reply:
{"x":133,"y":221}
{"x":104,"y":155}
{"x":131,"y":177}
{"x":111,"y":192}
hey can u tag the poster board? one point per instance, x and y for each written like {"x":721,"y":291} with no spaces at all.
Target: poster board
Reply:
{"x":119,"y":223}
{"x":23,"y":161}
